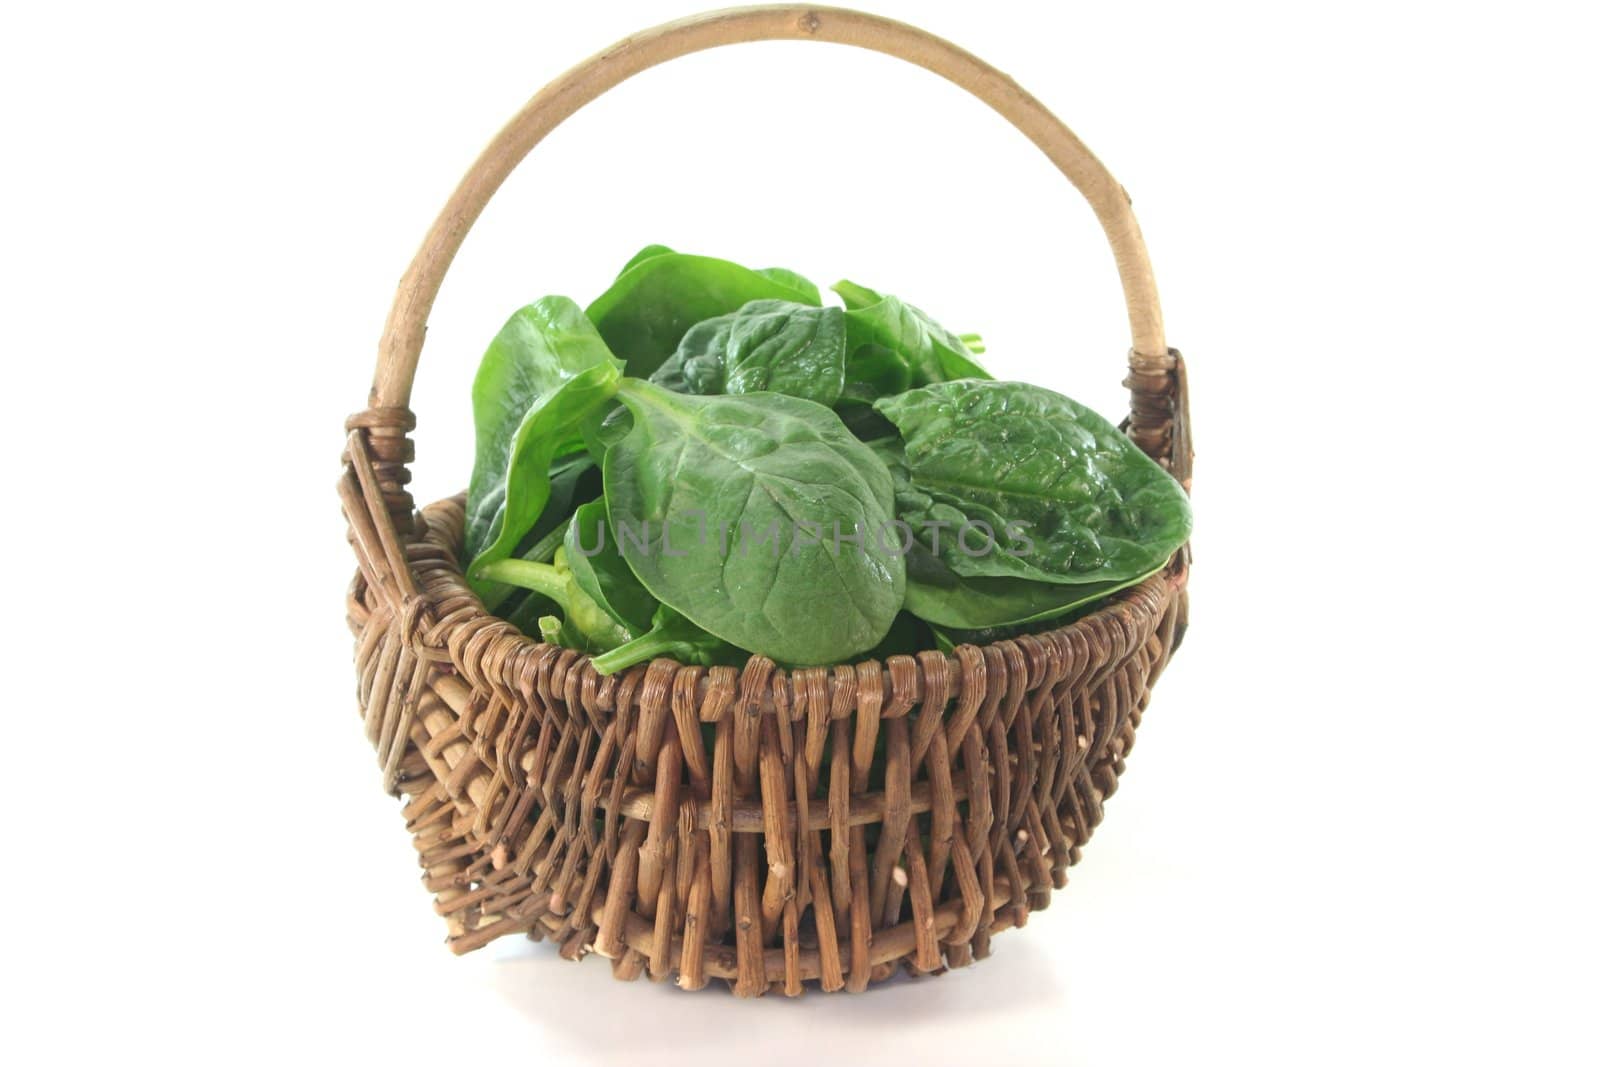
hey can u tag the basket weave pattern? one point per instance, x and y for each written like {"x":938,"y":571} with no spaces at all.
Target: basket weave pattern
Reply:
{"x":756,"y":825}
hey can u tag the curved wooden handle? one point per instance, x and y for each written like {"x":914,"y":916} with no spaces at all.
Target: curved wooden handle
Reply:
{"x":401,"y":346}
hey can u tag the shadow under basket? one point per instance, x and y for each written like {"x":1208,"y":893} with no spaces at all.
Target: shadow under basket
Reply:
{"x":765,"y":827}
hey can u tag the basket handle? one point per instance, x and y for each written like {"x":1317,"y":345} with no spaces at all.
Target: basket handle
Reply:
{"x":387,"y":418}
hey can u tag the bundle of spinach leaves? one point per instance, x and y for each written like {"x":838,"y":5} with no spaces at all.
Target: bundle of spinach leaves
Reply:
{"x":710,"y":462}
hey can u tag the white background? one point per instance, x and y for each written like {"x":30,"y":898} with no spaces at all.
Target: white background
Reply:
{"x":1360,"y":817}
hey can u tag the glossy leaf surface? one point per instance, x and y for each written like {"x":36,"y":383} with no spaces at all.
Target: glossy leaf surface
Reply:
{"x":1002,"y":479}
{"x":726,"y":508}
{"x":542,"y":346}
{"x":654,"y":302}
{"x":933,"y":353}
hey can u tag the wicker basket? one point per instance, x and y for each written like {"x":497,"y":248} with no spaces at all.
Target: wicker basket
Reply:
{"x":545,"y":798}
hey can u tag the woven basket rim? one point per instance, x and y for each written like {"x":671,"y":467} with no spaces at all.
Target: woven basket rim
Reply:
{"x":468,"y":612}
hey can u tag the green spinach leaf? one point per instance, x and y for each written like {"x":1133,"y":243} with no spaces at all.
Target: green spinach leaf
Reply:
{"x":933,"y":352}
{"x":864,"y":422}
{"x":543,"y":345}
{"x":647,"y":252}
{"x":598,"y":568}
{"x":550,"y":428}
{"x":700,"y":363}
{"x":775,"y":346}
{"x":573,"y":478}
{"x":874,"y":372}
{"x":968,"y":604}
{"x":1002,"y":479}
{"x":742,"y":513}
{"x":781,"y":347}
{"x":807,"y":288}
{"x":789,"y":279}
{"x":652,"y":304}
{"x":856,"y":296}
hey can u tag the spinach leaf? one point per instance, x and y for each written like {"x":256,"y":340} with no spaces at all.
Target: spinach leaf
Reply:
{"x":672,"y":636}
{"x":856,"y":296}
{"x":647,"y":252}
{"x":540,"y":347}
{"x":864,"y":422}
{"x":807,"y":288}
{"x":600,"y":571}
{"x":875,"y":372}
{"x":573,"y":478}
{"x":550,"y":428}
{"x":781,"y":347}
{"x":653,"y":303}
{"x":789,"y":279}
{"x":603,"y":429}
{"x":968,"y":604}
{"x":933,"y":352}
{"x":700,"y":363}
{"x":543,"y":550}
{"x":872,"y":373}
{"x":589,"y":625}
{"x":775,"y":346}
{"x":1002,"y":479}
{"x":736,"y":510}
